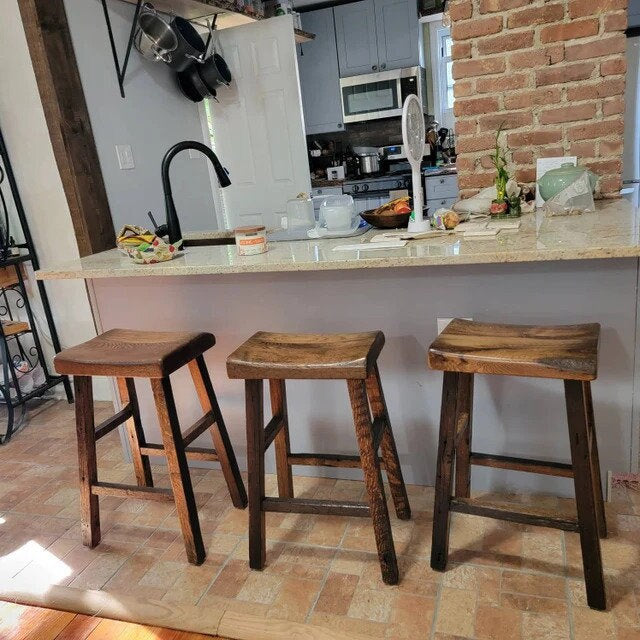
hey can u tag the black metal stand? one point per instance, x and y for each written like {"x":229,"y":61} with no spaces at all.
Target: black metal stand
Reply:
{"x":121,"y":71}
{"x":22,"y":345}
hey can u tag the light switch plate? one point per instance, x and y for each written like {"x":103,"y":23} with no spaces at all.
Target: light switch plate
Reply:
{"x":125,"y":156}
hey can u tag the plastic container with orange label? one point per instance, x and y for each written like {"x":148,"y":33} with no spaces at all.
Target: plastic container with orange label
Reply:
{"x":251,"y":240}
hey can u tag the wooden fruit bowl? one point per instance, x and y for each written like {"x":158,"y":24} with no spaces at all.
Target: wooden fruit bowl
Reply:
{"x":389,"y":220}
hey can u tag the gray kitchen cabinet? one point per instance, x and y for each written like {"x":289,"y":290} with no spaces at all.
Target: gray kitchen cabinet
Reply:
{"x":356,"y":38}
{"x":376,"y":35}
{"x":319,"y":75}
{"x":397,"y":33}
{"x":441,"y":191}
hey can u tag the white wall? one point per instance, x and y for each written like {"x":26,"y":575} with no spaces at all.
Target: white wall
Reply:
{"x":27,"y":138}
{"x":153,"y":116}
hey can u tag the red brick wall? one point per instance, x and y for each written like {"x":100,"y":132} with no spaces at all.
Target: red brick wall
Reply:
{"x":552,"y":72}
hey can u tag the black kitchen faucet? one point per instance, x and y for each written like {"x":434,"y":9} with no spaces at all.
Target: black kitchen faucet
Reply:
{"x":173,"y":224}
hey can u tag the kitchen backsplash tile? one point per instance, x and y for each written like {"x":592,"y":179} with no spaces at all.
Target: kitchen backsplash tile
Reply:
{"x":376,"y":133}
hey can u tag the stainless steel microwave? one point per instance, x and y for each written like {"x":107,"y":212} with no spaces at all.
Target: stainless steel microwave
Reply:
{"x":381,"y":95}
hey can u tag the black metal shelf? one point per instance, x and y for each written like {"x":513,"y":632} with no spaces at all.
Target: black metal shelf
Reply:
{"x":23,"y":345}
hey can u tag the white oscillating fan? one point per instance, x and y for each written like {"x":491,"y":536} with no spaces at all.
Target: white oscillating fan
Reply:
{"x":413,"y":133}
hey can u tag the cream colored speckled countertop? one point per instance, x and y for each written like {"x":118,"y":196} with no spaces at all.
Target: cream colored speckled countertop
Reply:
{"x":610,"y":232}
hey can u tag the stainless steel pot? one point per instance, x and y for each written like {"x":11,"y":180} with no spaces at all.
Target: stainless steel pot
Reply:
{"x":369,"y":163}
{"x":154,"y":39}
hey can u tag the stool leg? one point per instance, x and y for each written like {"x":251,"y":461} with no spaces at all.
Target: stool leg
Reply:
{"x":463,"y":439}
{"x":87,"y":464}
{"x":178,"y":470}
{"x":141,"y":466}
{"x":255,"y":465}
{"x":373,"y":480}
{"x":219,"y":435}
{"x":281,"y":443}
{"x":388,"y":446}
{"x":595,"y":461}
{"x":585,"y":493}
{"x":446,"y":450}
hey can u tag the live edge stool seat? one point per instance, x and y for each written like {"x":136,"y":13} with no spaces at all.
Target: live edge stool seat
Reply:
{"x":351,"y":357}
{"x":568,"y":353}
{"x":125,"y":355}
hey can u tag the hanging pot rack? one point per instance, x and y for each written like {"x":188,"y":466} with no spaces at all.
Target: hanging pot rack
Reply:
{"x":222,"y":12}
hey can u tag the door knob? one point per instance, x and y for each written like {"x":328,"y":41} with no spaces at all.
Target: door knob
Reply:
{"x":374,"y":67}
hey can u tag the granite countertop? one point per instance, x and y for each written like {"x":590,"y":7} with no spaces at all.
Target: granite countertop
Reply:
{"x":609,"y":232}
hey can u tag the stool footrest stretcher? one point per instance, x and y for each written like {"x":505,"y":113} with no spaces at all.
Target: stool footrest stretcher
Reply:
{"x":525,"y":514}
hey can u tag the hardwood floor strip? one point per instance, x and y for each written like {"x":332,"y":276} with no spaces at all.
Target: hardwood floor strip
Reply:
{"x":79,"y":628}
{"x":43,"y":624}
{"x":128,"y":608}
{"x":23,"y":622}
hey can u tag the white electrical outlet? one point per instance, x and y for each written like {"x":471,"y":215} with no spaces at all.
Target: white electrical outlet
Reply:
{"x":443,"y":322}
{"x":125,"y":156}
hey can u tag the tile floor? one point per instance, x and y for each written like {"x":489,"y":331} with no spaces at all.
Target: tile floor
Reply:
{"x":503,"y":581}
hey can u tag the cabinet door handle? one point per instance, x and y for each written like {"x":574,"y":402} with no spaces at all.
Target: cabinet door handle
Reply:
{"x":339,"y":125}
{"x":374,"y":67}
{"x":441,"y":180}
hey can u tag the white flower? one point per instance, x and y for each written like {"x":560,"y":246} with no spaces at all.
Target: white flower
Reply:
{"x":512,"y":189}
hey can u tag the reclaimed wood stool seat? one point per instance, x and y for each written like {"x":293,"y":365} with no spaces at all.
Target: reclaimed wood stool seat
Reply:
{"x":568,"y":353}
{"x":351,"y":357}
{"x":125,"y":355}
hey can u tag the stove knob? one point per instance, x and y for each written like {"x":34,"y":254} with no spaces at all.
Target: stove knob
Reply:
{"x":400,"y":184}
{"x":365,"y":187}
{"x":355,"y":188}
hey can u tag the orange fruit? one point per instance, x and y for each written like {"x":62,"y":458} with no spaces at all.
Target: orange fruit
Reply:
{"x":402,"y":207}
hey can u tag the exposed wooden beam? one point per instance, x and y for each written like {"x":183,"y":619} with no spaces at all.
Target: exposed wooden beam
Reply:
{"x":65,"y":110}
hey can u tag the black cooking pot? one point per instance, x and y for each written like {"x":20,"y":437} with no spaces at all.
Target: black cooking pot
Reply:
{"x":192,"y":85}
{"x":214,"y":71}
{"x":190,"y":45}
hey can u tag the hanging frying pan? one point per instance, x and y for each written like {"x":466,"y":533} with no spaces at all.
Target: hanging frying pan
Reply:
{"x":192,"y":85}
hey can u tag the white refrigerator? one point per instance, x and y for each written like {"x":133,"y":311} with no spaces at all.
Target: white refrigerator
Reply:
{"x":631,"y":154}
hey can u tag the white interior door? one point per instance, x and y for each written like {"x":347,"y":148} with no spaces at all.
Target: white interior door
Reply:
{"x":258,"y":127}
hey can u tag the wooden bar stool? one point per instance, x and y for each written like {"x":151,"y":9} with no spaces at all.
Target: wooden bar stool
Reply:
{"x":351,"y":357}
{"x":568,"y":353}
{"x":127,"y":355}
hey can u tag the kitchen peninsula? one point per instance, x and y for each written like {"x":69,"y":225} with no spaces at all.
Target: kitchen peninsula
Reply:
{"x":554,"y":270}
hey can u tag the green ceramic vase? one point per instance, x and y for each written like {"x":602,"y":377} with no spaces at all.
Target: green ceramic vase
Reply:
{"x":556,"y":180}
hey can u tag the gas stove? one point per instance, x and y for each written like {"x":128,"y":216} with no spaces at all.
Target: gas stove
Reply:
{"x":377,"y":184}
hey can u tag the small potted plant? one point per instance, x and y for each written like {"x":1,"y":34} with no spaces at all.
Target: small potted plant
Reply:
{"x":507,"y":201}
{"x":500,"y":206}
